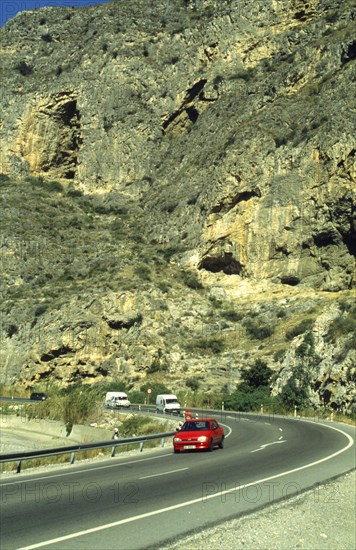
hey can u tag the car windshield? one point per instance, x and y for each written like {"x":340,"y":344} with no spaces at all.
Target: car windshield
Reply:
{"x":193,"y":426}
{"x":170,"y":401}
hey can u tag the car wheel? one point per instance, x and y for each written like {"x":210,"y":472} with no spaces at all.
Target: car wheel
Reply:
{"x":211,"y":446}
{"x":221,"y":444}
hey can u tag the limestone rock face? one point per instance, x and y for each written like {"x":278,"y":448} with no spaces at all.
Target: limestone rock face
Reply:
{"x":221,"y":130}
{"x":234,"y":119}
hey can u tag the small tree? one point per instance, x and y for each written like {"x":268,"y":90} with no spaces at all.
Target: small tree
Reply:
{"x":259,"y":375}
{"x":294,"y":394}
{"x":192,"y":383}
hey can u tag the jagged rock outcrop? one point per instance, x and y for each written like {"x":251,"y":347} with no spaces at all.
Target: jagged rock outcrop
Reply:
{"x":221,"y":131}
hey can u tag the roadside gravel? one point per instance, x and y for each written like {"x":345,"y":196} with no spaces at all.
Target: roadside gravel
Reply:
{"x":320,"y":519}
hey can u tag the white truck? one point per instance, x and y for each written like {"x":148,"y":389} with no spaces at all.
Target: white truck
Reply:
{"x":167,"y":403}
{"x":116,"y":400}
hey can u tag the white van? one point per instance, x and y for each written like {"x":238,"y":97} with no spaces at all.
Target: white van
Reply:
{"x":116,"y":399}
{"x":167,"y":403}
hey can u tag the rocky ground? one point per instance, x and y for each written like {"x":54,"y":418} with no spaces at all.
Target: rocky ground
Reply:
{"x":322,"y":518}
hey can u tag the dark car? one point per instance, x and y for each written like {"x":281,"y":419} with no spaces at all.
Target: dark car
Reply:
{"x":199,"y":434}
{"x":36,"y":396}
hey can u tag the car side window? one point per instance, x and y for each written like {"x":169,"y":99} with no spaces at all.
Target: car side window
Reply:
{"x":214,"y":425}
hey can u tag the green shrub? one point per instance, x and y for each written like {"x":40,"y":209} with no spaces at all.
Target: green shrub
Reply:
{"x":192,"y":383}
{"x":281,"y":313}
{"x":171,"y":251}
{"x":103,"y":388}
{"x":249,"y":401}
{"x":24,"y":68}
{"x":118,"y":228}
{"x":259,"y":375}
{"x":164,"y":286}
{"x":143,"y":272}
{"x":215,"y":302}
{"x":52,"y":186}
{"x":258,"y":330}
{"x":169,"y":207}
{"x":40,"y":310}
{"x":11,"y":330}
{"x":47,"y":38}
{"x":133,"y":426}
{"x":191,"y":280}
{"x":207,"y":345}
{"x":158,"y":365}
{"x":74,"y":192}
{"x":294,"y":394}
{"x":279,"y":355}
{"x":137,"y":396}
{"x":302,"y":327}
{"x":4,"y":180}
{"x":232,"y":315}
{"x":307,"y":346}
{"x":343,"y":325}
{"x":156,"y":388}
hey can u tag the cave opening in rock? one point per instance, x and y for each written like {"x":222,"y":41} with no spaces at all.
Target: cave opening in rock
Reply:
{"x":291,"y":280}
{"x":226,"y":263}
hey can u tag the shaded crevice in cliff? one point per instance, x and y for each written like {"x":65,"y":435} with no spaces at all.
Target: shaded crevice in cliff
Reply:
{"x":189,"y":109}
{"x":118,"y":324}
{"x":53,"y":354}
{"x":228,"y":204}
{"x":349,"y":53}
{"x":349,"y":240}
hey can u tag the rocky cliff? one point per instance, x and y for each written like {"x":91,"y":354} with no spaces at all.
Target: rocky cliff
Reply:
{"x":176,"y":173}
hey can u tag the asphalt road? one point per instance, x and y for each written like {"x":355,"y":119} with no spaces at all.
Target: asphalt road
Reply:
{"x":146,"y":501}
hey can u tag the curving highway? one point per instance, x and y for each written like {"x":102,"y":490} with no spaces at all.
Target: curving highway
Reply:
{"x":147,"y":500}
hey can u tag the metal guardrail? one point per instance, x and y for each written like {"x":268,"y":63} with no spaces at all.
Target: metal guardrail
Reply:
{"x":72,"y":449}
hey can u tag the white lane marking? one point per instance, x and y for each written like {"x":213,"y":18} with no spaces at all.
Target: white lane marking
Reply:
{"x":77,"y":470}
{"x":164,"y":473}
{"x":39,"y":478}
{"x":267,"y":445}
{"x":190,"y":502}
{"x":280,"y":429}
{"x":228,"y":427}
{"x":280,"y":438}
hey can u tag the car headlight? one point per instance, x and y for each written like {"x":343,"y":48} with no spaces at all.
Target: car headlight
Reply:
{"x":177,"y":439}
{"x":202,"y":438}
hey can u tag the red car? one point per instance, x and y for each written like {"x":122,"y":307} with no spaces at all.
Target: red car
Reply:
{"x":200,"y":433}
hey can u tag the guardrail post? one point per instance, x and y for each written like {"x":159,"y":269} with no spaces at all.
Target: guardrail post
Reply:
{"x":72,"y":457}
{"x":113,"y":449}
{"x":141,"y":446}
{"x":162,"y":442}
{"x":18,"y":467}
